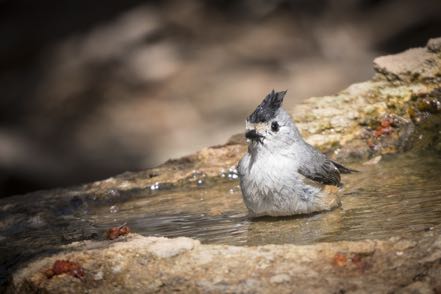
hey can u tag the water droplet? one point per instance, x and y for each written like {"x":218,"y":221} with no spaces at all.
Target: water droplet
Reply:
{"x":222,"y":173}
{"x":198,"y":177}
{"x":232,"y":176}
{"x":112,"y":193}
{"x":200,"y":183}
{"x":114,"y":209}
{"x":232,"y":173}
{"x":234,"y":190}
{"x":196,"y":174}
{"x":155,"y":186}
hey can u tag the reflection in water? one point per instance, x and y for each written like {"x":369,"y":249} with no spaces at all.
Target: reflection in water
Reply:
{"x":399,"y":195}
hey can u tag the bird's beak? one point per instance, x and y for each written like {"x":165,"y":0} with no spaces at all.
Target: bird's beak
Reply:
{"x":254,"y":136}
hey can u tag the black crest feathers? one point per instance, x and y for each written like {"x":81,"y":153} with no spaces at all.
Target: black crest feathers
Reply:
{"x":268,"y":108}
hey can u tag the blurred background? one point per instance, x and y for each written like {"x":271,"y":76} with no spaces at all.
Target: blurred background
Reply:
{"x":90,"y":89}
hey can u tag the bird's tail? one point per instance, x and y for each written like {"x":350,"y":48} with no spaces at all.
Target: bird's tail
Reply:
{"x":344,"y":170}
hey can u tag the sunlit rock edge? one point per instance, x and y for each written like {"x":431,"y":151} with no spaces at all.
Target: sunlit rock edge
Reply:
{"x":397,"y":110}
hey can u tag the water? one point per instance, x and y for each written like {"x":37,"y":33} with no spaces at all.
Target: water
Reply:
{"x":399,"y":195}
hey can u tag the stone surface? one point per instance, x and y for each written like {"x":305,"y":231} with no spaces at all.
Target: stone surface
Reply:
{"x":380,"y":116}
{"x":434,"y":45}
{"x":413,"y":64}
{"x":139,"y":264}
{"x":410,"y":65}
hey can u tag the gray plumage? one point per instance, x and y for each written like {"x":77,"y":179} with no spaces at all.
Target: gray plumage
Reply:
{"x":281,"y":174}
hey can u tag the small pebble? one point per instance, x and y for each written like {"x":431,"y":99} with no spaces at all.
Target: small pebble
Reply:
{"x":373,"y":161}
{"x":98,"y":276}
{"x":282,"y":278}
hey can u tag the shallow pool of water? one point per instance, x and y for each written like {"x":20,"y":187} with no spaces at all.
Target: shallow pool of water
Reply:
{"x":400,"y":194}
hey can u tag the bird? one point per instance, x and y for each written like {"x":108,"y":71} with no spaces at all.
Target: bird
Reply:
{"x":281,"y":174}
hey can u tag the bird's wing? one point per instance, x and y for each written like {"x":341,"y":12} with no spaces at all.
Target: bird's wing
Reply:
{"x":321,"y":170}
{"x":317,"y":167}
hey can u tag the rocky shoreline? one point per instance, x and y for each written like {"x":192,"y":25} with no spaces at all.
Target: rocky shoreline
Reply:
{"x":140,"y":264}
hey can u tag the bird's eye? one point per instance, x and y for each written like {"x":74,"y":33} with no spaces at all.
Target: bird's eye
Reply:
{"x":274,"y":126}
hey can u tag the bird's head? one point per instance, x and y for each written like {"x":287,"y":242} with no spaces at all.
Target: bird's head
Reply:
{"x":269,"y":125}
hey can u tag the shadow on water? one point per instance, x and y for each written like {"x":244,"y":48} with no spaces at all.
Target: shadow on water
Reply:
{"x":401,"y":194}
{"x":285,"y":218}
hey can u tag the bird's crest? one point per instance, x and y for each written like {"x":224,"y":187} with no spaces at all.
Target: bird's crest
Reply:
{"x":268,"y":108}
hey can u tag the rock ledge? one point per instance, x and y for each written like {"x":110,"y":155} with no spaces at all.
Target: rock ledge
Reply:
{"x":148,"y":264}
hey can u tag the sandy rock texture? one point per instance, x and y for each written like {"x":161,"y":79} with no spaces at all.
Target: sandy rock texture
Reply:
{"x":159,"y":265}
{"x":389,"y":113}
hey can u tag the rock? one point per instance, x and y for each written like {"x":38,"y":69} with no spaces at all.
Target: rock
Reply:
{"x":417,"y":288}
{"x":434,"y":45}
{"x":348,"y":126}
{"x":147,"y":264}
{"x":280,"y":278}
{"x":373,"y":161}
{"x":413,"y":64}
{"x":416,"y":64}
{"x":164,"y":248}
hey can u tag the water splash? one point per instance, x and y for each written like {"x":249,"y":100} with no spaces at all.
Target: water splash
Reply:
{"x":113,"y":209}
{"x":231,"y":173}
{"x":155,"y":186}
